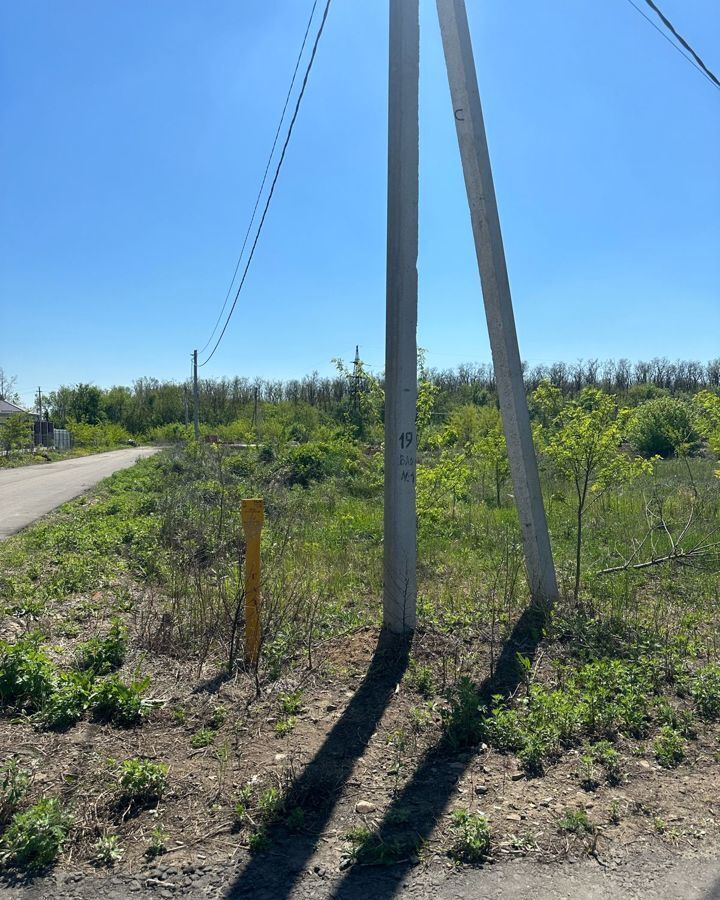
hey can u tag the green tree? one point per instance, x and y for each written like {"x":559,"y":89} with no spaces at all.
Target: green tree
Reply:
{"x":583,"y":442}
{"x":664,"y":426}
{"x":16,"y":433}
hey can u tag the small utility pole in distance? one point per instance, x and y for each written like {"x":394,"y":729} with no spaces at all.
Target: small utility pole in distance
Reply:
{"x":400,"y":525}
{"x":196,"y":398}
{"x":496,"y":295}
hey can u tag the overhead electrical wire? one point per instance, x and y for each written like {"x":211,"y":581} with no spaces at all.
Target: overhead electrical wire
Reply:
{"x":691,"y":56}
{"x":265,"y":174}
{"x":274,"y":181}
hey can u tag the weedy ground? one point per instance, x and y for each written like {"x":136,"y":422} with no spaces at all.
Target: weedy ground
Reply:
{"x":132,"y":729}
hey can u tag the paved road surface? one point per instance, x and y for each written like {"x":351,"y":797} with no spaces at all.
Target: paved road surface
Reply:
{"x":30,"y":492}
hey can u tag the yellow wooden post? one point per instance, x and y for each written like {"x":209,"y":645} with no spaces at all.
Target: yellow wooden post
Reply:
{"x":252,"y":521}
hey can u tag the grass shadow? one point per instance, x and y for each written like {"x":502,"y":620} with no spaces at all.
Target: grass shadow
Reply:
{"x":273,"y":873}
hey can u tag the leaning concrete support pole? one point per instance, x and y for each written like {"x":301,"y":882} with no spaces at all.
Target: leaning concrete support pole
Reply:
{"x":400,"y":548}
{"x":496,"y":294}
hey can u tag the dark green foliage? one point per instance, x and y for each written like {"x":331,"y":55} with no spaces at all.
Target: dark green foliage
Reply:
{"x":35,"y":837}
{"x":663,"y":427}
{"x":314,"y":461}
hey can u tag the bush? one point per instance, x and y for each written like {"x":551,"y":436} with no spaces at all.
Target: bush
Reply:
{"x":314,"y":461}
{"x":67,"y":703}
{"x":663,"y":427}
{"x":35,"y":837}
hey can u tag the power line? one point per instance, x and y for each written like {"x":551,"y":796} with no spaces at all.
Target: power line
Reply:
{"x":265,"y":174}
{"x":691,"y":56}
{"x":275,"y":178}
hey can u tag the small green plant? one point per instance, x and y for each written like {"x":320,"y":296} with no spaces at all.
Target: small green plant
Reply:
{"x":14,"y":784}
{"x":202,"y":738}
{"x":217,"y":719}
{"x":103,"y":655}
{"x":142,"y":781}
{"x":659,"y":825}
{"x":607,"y":756}
{"x":291,"y":704}
{"x":158,"y":843}
{"x":67,"y":703}
{"x":295,"y":819}
{"x":576,"y":821}
{"x":462,"y":719}
{"x":35,"y":837}
{"x":588,"y":772}
{"x":420,"y":718}
{"x":471,"y":842}
{"x":614,"y":812}
{"x":108,"y":850}
{"x":705,"y":691}
{"x":285,"y":725}
{"x":420,"y":679}
{"x":270,"y":804}
{"x":114,"y":701}
{"x":259,"y":840}
{"x":369,"y":848}
{"x":669,"y":748}
{"x":179,"y":715}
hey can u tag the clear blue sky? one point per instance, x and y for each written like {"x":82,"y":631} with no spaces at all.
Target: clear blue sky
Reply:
{"x":133,"y":135}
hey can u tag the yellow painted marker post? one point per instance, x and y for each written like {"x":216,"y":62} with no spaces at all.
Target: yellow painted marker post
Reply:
{"x":252,"y":521}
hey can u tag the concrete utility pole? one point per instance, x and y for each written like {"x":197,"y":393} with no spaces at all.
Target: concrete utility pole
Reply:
{"x":400,"y":526}
{"x":475,"y":156}
{"x":196,"y":398}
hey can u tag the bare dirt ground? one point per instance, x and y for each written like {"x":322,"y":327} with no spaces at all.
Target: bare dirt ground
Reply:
{"x":357,"y":755}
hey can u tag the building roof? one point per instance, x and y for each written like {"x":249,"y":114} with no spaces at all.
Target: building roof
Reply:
{"x":8,"y":409}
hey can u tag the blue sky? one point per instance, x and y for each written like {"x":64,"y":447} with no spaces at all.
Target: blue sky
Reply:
{"x":133,"y":136}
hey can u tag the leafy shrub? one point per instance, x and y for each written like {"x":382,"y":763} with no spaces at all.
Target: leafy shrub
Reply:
{"x":472,"y":837}
{"x":663,"y":427}
{"x":142,"y":781}
{"x":669,"y":748}
{"x":117,"y":702}
{"x":314,"y":461}
{"x":103,"y":655}
{"x":36,"y":836}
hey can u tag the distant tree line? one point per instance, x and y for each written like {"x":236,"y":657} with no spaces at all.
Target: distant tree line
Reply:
{"x":151,"y":403}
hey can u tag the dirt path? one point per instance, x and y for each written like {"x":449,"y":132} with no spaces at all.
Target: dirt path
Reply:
{"x":651,"y":875}
{"x":30,"y":492}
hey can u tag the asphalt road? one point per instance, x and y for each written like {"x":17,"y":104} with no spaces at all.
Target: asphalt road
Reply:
{"x":30,"y":492}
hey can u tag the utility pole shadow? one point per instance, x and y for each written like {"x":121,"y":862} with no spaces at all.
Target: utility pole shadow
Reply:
{"x":425,"y":797}
{"x":273,"y":874}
